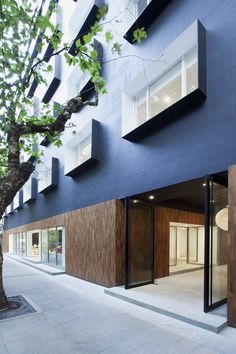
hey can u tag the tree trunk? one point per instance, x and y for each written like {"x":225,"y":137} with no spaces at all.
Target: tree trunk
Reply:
{"x":3,"y":298}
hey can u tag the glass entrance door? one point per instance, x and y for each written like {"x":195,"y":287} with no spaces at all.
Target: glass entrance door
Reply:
{"x":216,"y":244}
{"x":139,"y":243}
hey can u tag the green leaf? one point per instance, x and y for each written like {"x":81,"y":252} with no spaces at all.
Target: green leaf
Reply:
{"x":139,"y":34}
{"x":108,"y":36}
{"x":116,"y":48}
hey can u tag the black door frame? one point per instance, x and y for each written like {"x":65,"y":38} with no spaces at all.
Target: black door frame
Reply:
{"x":128,"y":284}
{"x":208,"y":304}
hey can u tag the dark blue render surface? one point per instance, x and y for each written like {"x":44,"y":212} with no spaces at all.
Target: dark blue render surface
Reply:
{"x":199,"y":143}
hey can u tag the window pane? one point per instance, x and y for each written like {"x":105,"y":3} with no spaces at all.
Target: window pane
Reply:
{"x":44,"y":246}
{"x":59,"y":247}
{"x":52,"y":245}
{"x":192,"y":71}
{"x":166,"y":90}
{"x":141,"y":107}
{"x":83,"y":151}
{"x":141,"y":6}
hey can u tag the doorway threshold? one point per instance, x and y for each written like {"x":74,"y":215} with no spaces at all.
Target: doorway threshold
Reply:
{"x":170,"y":298}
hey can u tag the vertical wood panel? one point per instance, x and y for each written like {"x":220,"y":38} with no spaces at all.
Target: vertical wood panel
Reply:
{"x":120,"y":242}
{"x":162,"y":219}
{"x":91,"y":243}
{"x":231,"y":307}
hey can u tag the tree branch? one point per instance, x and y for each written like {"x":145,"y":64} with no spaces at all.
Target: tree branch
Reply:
{"x":58,"y":126}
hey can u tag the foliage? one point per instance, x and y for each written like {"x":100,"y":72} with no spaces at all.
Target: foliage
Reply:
{"x":139,"y":34}
{"x":24,"y":23}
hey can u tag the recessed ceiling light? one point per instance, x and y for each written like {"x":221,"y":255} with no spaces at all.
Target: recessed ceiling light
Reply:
{"x":204,"y":184}
{"x":151,"y":197}
{"x":135,"y":201}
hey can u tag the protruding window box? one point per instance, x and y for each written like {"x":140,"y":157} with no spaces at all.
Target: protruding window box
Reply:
{"x":48,"y":177}
{"x":146,"y":12}
{"x":53,"y":79}
{"x":83,"y":18}
{"x":174,"y":85}
{"x":30,"y":191}
{"x":18,"y":200}
{"x":46,"y":6}
{"x":81,"y":83}
{"x":82,"y":151}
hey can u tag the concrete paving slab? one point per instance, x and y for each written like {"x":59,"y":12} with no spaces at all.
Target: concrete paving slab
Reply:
{"x":97,"y":323}
{"x":171,"y":298}
{"x":37,"y":265}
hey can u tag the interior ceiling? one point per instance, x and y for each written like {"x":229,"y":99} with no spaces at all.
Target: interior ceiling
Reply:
{"x":188,"y":195}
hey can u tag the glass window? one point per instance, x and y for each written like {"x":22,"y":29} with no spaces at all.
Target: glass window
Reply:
{"x":59,"y":246}
{"x":44,"y":237}
{"x":45,"y":178}
{"x":15,"y":243}
{"x":141,"y":107}
{"x":52,"y":245}
{"x":83,"y":151}
{"x":23,"y":244}
{"x":18,"y":244}
{"x":191,"y":71}
{"x":177,"y":82}
{"x":166,"y":90}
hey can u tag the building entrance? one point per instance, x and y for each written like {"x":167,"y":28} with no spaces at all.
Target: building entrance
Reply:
{"x":179,"y":229}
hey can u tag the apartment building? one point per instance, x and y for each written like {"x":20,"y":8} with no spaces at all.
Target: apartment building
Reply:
{"x":144,"y":183}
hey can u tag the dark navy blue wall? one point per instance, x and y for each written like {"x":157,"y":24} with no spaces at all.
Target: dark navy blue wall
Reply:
{"x":202,"y":142}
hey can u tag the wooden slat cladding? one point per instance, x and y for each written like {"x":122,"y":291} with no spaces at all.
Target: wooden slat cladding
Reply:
{"x":91,"y":243}
{"x":231,"y":298}
{"x":120,"y":242}
{"x":94,"y":238}
{"x":163,"y":216}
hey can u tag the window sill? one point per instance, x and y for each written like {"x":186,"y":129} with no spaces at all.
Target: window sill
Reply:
{"x":168,"y":116}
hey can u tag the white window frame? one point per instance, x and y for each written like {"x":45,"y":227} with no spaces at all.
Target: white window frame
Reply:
{"x":182,"y":61}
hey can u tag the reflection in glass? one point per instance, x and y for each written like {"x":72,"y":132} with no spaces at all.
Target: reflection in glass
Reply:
{"x":23,"y":244}
{"x":174,"y":84}
{"x":83,"y":150}
{"x":45,"y":178}
{"x":59,"y":246}
{"x":191,"y":71}
{"x":35,"y":244}
{"x":52,"y":245}
{"x":218,"y":245}
{"x":166,"y":91}
{"x":44,"y":235}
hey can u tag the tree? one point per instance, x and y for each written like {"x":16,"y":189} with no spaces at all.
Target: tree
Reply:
{"x":22,"y":22}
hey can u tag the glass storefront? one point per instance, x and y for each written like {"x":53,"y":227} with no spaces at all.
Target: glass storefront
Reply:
{"x":47,"y":245}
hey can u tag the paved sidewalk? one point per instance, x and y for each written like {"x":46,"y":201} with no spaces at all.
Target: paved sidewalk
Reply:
{"x":77,"y":317}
